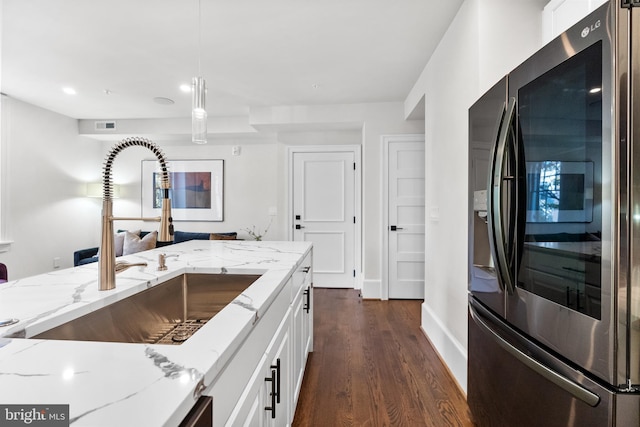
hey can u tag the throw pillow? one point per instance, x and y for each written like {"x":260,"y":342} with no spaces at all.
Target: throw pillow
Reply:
{"x":118,"y":241}
{"x":223,"y":236}
{"x":133,"y":243}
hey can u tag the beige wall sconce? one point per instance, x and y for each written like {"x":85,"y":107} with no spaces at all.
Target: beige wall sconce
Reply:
{"x":94,"y":189}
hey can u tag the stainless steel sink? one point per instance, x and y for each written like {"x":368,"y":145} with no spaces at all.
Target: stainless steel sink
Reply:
{"x":168,"y":313}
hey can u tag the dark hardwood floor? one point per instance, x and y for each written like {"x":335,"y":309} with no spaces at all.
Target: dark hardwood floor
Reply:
{"x":373,"y":366}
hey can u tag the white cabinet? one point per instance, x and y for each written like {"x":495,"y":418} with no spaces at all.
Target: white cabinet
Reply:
{"x":278,"y":379}
{"x":301,"y":324}
{"x":250,"y":411}
{"x":233,"y":379}
{"x":265,"y":401}
{"x":261,"y":384}
{"x":559,"y":15}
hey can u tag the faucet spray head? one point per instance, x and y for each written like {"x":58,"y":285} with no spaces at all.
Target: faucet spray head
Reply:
{"x":165,"y":233}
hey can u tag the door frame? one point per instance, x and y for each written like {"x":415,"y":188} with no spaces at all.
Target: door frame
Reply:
{"x":357,"y":207}
{"x":384,"y":167}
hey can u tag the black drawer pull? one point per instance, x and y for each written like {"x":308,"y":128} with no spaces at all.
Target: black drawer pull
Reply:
{"x":274,"y":395}
{"x":307,"y":304}
{"x":277,"y":368}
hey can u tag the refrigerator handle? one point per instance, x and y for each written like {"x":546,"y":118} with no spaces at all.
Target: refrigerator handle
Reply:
{"x":566,"y":384}
{"x":490,"y":184}
{"x":495,"y":194}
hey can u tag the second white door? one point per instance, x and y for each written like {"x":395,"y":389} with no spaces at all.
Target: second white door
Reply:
{"x":406,"y":186}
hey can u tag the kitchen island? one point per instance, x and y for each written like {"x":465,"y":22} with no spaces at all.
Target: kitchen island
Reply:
{"x":131,"y":384}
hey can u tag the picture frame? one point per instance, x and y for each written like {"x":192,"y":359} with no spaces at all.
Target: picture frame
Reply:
{"x":197,"y":189}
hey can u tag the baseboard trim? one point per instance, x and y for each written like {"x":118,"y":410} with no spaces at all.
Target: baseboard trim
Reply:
{"x":450,"y":351}
{"x":371,"y":289}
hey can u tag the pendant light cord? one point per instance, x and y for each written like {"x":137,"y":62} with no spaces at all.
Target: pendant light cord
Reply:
{"x":199,"y":37}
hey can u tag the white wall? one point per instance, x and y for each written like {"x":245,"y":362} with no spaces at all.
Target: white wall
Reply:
{"x":45,"y":168}
{"x":379,"y":123}
{"x":466,"y":63}
{"x":251,"y":186}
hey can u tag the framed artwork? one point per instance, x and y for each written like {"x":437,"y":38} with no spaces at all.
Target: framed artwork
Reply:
{"x":196,"y":189}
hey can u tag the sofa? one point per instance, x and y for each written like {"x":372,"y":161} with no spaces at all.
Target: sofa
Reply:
{"x":89,"y":255}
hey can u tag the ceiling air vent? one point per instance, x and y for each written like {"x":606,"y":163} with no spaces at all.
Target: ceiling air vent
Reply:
{"x":105,"y":125}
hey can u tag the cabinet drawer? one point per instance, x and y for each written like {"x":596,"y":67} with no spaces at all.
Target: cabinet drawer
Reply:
{"x":302,"y":276}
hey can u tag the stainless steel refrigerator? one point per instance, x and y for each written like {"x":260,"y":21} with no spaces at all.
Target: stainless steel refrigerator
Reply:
{"x":554,"y":241}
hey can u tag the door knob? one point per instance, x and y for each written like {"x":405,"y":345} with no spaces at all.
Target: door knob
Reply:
{"x":394,"y":228}
{"x":298,"y":226}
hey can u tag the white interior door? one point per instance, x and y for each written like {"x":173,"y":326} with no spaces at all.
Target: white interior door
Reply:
{"x":324,"y":213}
{"x":406,"y":186}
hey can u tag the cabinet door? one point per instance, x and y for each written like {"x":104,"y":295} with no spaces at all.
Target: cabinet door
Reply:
{"x":306,"y":334}
{"x":302,"y":324}
{"x":255,"y":416}
{"x":280,"y":356}
{"x":250,"y":412}
{"x":307,"y":323}
{"x":266,"y":401}
{"x":298,"y":317}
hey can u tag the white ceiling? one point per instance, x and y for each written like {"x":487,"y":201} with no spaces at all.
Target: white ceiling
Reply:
{"x":254,"y":53}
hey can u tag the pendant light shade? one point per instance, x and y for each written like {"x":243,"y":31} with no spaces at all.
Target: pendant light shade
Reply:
{"x":198,"y":111}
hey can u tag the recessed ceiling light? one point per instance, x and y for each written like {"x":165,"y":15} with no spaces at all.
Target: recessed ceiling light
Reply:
{"x":69,"y":90}
{"x":185,"y":88}
{"x":163,"y":101}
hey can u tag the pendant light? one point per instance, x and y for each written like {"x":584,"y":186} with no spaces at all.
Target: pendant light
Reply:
{"x":198,"y":95}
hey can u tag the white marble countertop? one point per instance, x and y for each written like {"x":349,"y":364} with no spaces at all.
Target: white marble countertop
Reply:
{"x":109,"y":384}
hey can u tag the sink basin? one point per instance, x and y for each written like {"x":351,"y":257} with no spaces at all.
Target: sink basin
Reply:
{"x":168,"y":313}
